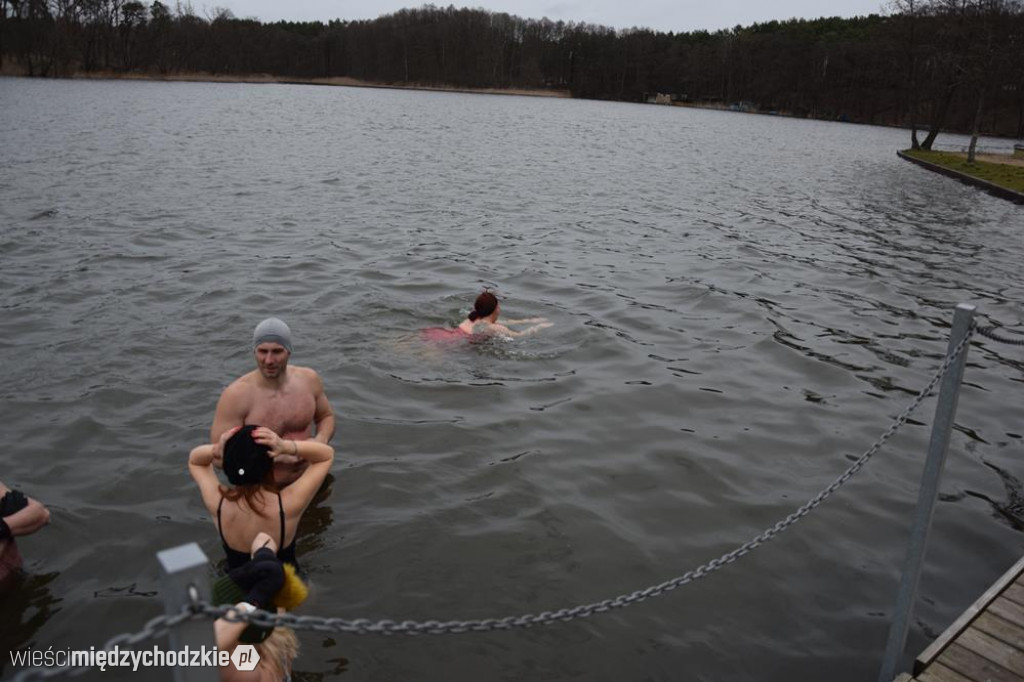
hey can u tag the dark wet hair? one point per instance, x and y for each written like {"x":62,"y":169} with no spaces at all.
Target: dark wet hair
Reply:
{"x":483,"y":306}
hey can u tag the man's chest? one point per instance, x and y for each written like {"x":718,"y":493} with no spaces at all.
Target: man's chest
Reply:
{"x":282,"y":410}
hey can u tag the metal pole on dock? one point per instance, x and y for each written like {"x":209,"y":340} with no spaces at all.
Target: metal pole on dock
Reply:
{"x":945,"y":412}
{"x":184,"y":569}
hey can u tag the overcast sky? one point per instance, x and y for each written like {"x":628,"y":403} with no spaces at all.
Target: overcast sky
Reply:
{"x":661,"y":15}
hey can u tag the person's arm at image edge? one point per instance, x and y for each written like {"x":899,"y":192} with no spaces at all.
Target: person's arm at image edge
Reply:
{"x":28,"y":519}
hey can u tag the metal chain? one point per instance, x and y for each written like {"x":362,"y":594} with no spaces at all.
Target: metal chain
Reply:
{"x":989,"y":332}
{"x":364,"y":626}
{"x":159,"y":626}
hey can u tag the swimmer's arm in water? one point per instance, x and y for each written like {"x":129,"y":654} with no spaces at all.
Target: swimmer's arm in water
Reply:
{"x":528,"y":320}
{"x":502,"y":330}
{"x":26,"y":520}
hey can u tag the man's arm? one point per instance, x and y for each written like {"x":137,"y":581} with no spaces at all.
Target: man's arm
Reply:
{"x":324,"y":415}
{"x":231,"y":411}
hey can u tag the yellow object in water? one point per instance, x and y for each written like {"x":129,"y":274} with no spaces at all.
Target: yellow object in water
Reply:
{"x":293,"y":592}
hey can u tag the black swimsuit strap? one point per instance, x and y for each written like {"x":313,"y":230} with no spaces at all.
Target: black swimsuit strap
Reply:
{"x":219,"y":529}
{"x":280,"y":506}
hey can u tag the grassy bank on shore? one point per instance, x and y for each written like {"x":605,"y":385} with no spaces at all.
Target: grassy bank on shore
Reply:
{"x":12,"y":70}
{"x":1004,"y":171}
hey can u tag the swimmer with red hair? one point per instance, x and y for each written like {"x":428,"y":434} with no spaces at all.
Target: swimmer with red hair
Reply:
{"x":483,"y":319}
{"x":482,"y":322}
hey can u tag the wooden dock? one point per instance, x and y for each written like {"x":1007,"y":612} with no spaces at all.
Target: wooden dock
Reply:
{"x":985,"y":644}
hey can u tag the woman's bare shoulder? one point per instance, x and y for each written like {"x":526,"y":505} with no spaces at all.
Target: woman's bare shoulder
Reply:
{"x":494,"y":329}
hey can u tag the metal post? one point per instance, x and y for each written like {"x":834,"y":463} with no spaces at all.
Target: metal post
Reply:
{"x":183,"y":568}
{"x":945,"y":411}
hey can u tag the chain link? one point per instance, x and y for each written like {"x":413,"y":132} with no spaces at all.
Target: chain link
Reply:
{"x":989,"y":332}
{"x":159,"y":626}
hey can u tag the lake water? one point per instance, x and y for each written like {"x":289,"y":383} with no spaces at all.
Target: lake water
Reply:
{"x":742,"y":304}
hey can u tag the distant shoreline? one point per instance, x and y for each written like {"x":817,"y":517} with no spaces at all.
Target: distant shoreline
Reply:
{"x":10,"y":70}
{"x":345,"y":81}
{"x":1000,"y":176}
{"x":342,"y":81}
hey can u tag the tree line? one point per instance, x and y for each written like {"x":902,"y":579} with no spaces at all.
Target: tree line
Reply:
{"x":929,"y":64}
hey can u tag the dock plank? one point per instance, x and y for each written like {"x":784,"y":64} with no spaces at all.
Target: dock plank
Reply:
{"x":1013,"y":579}
{"x":975,"y":667}
{"x":1003,"y":630}
{"x":1000,"y":653}
{"x":937,"y":672}
{"x":1008,"y":610}
{"x":1015,"y":593}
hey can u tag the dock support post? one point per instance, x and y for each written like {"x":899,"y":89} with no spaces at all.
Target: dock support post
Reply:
{"x":945,"y":412}
{"x":183,"y":569}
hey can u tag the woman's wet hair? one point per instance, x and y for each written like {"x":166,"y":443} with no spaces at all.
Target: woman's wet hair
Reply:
{"x":483,"y":306}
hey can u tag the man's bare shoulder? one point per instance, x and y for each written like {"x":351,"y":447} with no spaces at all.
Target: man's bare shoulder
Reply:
{"x":243,"y":385}
{"x":304,"y":372}
{"x":307,"y":375}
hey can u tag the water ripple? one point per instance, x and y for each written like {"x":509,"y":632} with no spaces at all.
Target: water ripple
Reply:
{"x":741,"y":305}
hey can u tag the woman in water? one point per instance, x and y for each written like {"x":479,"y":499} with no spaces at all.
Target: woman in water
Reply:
{"x":253,"y":504}
{"x":483,"y":319}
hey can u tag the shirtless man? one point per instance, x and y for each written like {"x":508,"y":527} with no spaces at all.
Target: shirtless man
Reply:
{"x":289,"y":400}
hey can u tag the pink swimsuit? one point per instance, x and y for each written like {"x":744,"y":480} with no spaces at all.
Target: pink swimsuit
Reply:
{"x":444,"y":334}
